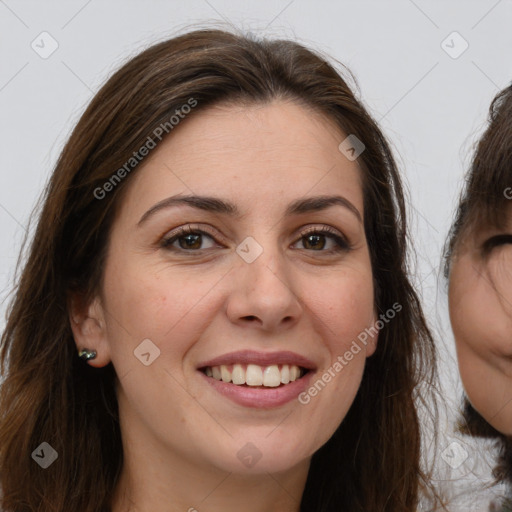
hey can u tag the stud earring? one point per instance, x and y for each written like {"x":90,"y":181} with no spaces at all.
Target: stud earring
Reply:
{"x":86,"y":354}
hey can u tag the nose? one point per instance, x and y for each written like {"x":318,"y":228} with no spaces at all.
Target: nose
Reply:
{"x":264,"y":294}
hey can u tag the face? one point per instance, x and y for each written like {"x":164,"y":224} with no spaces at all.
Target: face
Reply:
{"x":480,"y":301}
{"x":237,"y":288}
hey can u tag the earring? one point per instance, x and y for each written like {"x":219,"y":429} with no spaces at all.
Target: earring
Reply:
{"x":86,"y":354}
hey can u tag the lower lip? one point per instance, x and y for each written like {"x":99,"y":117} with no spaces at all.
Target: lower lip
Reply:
{"x":260,"y":398}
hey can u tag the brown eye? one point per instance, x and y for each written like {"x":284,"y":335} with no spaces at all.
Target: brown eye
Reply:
{"x":314,"y":240}
{"x":188,"y":239}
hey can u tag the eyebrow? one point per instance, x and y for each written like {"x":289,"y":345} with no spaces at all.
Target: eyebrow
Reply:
{"x":216,"y":205}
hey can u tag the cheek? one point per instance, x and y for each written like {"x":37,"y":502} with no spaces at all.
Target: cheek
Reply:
{"x":341,"y":310}
{"x":479,"y":321}
{"x":344,"y":307}
{"x":468,"y":325}
{"x":148,"y":302}
{"x":482,"y":335}
{"x":488,"y":389}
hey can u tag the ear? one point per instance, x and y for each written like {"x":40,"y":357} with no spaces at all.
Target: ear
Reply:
{"x":89,"y":329}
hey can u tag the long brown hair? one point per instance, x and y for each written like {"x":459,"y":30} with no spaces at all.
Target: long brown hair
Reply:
{"x":372,"y":462}
{"x":483,"y":204}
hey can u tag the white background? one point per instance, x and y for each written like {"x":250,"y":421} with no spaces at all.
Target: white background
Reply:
{"x":431,"y":106}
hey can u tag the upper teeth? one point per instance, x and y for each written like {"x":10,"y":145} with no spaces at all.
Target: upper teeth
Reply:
{"x":254,"y":375}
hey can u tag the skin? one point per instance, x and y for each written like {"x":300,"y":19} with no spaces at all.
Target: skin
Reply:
{"x":480,"y":305}
{"x":181,"y":437}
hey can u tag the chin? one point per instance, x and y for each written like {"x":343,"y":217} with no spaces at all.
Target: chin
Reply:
{"x":502,"y":425}
{"x":269,"y":463}
{"x":253,"y":456}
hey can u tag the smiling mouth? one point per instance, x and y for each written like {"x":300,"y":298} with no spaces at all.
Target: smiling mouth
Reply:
{"x":256,"y":376}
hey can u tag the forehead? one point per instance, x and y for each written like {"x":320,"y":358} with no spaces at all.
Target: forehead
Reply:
{"x":249,"y":152}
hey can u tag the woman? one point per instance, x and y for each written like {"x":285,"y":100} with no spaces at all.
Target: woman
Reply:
{"x":479,"y":267}
{"x":223,"y":241}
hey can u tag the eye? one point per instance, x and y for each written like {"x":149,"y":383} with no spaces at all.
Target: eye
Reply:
{"x":189,"y":239}
{"x":314,"y":237}
{"x":495,"y":241}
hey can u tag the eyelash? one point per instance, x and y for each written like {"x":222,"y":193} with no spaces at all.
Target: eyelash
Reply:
{"x":495,"y":241}
{"x":342,"y":245}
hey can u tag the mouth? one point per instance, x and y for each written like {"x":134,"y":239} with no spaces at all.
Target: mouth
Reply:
{"x":256,"y":376}
{"x":258,"y":379}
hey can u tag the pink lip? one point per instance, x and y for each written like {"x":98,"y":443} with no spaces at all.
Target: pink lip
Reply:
{"x":264,"y":398}
{"x":260,"y":358}
{"x":260,"y":398}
